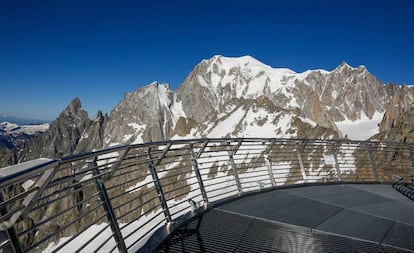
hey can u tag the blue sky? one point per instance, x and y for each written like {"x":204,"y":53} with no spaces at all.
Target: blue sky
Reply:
{"x":53,"y":51}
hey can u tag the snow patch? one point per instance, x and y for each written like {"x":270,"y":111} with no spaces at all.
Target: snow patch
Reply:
{"x":361,"y":129}
{"x":228,"y":125}
{"x":308,"y":121}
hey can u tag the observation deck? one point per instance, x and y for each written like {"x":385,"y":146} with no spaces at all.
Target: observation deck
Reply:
{"x":213,"y":195}
{"x":322,"y":218}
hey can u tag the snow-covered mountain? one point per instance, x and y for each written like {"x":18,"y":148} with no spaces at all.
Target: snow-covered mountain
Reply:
{"x":21,"y":121}
{"x":242,"y":97}
{"x":10,"y":128}
{"x":233,"y":97}
{"x":12,"y":135}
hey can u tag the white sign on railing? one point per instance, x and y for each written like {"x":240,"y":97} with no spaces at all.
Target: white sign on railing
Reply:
{"x":329,"y":159}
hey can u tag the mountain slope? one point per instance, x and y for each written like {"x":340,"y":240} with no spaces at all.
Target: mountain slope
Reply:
{"x":323,"y":97}
{"x":232,"y":97}
{"x":397,"y":124}
{"x":221,"y":97}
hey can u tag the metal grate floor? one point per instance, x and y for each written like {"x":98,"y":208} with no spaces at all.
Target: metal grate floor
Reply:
{"x":336,"y":218}
{"x":220,"y":231}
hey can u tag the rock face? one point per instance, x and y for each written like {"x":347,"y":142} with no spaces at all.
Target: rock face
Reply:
{"x":347,"y":93}
{"x":397,"y":124}
{"x":61,"y":138}
{"x":233,"y":97}
{"x":143,"y":115}
{"x":93,"y":136}
{"x":238,"y":97}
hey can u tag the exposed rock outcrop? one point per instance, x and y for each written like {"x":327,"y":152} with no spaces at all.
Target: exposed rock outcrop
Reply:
{"x":398,"y":122}
{"x":61,"y":138}
{"x":143,"y":115}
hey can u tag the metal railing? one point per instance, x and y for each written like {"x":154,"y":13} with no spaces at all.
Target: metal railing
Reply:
{"x":116,"y":199}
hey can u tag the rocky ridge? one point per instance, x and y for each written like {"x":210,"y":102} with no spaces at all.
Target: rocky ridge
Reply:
{"x":236,"y":97}
{"x":231,"y":97}
{"x":397,"y":124}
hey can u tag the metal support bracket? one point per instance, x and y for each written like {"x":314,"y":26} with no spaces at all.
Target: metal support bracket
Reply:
{"x":237,"y":148}
{"x":412,"y":155}
{"x":338,"y":170}
{"x":28,"y":201}
{"x":269,"y":169}
{"x":198,"y":175}
{"x":302,"y":167}
{"x":158,"y":187}
{"x":231,"y":153}
{"x":269,"y":164}
{"x":373,"y":164}
{"x":13,"y":242}
{"x":163,"y":155}
{"x":109,"y":211}
{"x":201,"y":150}
{"x":116,"y":165}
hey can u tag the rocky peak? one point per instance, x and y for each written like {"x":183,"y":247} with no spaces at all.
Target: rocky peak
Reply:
{"x":74,"y":107}
{"x":93,"y":136}
{"x":343,"y":66}
{"x":402,"y":99}
{"x":344,"y":93}
{"x":349,"y":93}
{"x":143,"y":115}
{"x":62,"y":137}
{"x":215,"y":81}
{"x":397,"y":124}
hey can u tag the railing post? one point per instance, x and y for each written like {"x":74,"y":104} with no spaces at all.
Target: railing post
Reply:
{"x":302,"y":167}
{"x":109,"y":211}
{"x":158,"y":187}
{"x":198,"y":175}
{"x":412,"y":155}
{"x":269,"y":170}
{"x":234,"y":168}
{"x":11,"y":233}
{"x":338,"y":170}
{"x":116,"y":165}
{"x":373,"y":164}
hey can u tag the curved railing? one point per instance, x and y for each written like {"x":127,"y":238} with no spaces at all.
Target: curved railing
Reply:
{"x":116,"y":199}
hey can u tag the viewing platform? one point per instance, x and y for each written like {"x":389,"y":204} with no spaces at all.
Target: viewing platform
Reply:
{"x":322,"y":218}
{"x":213,"y":195}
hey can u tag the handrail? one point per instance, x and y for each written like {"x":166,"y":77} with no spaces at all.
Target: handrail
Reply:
{"x":134,"y":192}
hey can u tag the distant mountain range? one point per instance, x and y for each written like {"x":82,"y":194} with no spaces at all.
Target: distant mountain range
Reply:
{"x":237,"y":97}
{"x":21,"y":121}
{"x":13,"y":135}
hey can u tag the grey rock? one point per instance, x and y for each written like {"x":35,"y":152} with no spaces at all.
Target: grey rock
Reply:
{"x":61,"y":138}
{"x":143,"y":115}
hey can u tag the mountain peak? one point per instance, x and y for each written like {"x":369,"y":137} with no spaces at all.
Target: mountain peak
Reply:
{"x":344,"y":65}
{"x":241,"y":60}
{"x":74,"y":106}
{"x":73,"y":110}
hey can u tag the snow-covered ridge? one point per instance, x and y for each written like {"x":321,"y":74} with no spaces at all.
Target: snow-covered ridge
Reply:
{"x":10,"y":128}
{"x":264,"y":101}
{"x":12,"y":135}
{"x":245,"y":75}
